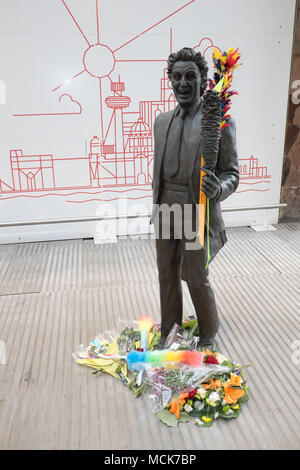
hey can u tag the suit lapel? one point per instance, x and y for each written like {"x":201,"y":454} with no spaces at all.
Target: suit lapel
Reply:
{"x":162,"y":141}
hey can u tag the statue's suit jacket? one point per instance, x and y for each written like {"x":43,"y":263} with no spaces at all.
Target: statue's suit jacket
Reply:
{"x":226,"y":170}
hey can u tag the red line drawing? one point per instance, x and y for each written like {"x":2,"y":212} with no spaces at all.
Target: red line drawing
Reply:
{"x":103,"y":191}
{"x":101,"y":110}
{"x":112,"y":199}
{"x":204,"y":49}
{"x":249,"y":169}
{"x":257,"y":190}
{"x":68,"y":81}
{"x":153,"y":26}
{"x":55,"y":114}
{"x":141,"y":60}
{"x":99,"y":60}
{"x":120,"y":153}
{"x":4,"y":187}
{"x":75,"y":22}
{"x":255,"y":182}
{"x":97,"y":18}
{"x":31,"y":172}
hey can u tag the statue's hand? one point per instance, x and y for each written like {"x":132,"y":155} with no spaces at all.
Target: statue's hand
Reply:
{"x":210,"y":184}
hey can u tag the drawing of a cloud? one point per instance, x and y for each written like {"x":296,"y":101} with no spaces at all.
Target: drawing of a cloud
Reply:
{"x":67,"y":100}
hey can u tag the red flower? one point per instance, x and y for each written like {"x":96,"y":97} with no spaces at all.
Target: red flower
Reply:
{"x":191,"y":394}
{"x":211,"y":360}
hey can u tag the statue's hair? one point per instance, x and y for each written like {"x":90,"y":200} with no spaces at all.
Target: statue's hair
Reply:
{"x":187,"y":53}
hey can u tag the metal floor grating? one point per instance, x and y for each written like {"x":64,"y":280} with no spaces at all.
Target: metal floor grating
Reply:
{"x":57,"y":295}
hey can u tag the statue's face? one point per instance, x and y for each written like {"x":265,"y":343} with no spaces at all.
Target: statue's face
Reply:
{"x":186,"y":81}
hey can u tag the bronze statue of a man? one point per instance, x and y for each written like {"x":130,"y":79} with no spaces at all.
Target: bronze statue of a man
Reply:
{"x":176,"y":182}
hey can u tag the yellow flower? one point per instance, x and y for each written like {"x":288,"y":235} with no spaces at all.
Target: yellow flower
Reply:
{"x":206,"y":419}
{"x":235,"y":407}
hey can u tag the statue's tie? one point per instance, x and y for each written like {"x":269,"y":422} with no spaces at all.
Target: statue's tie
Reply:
{"x":175,"y":141}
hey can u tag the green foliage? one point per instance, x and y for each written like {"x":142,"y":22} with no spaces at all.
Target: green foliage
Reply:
{"x":167,"y":418}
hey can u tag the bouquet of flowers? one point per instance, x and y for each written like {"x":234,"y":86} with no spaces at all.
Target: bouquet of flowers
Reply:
{"x":219,"y":396}
{"x":106,"y":354}
{"x":204,"y":391}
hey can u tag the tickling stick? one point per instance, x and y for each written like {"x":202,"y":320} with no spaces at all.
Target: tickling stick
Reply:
{"x":201,"y":207}
{"x":215,"y":117}
{"x":210,"y":132}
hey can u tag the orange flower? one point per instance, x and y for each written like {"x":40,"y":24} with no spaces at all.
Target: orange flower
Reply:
{"x":235,"y":380}
{"x":208,"y":352}
{"x":182,"y":398}
{"x":215,"y":383}
{"x":175,"y":408}
{"x":175,"y":404}
{"x":206,"y":386}
{"x":232,"y":394}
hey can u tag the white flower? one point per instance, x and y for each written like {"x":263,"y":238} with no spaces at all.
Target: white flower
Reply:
{"x":229,"y":412}
{"x":224,"y":402}
{"x":214,"y":396}
{"x":221,"y":358}
{"x":198,"y":405}
{"x":216,"y":415}
{"x":188,"y":408}
{"x":201,"y":392}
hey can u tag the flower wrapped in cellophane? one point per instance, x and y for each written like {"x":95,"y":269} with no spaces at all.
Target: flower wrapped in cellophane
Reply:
{"x":183,"y":381}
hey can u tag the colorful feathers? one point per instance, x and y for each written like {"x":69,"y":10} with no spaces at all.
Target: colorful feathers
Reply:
{"x":224,"y":65}
{"x":135,"y":359}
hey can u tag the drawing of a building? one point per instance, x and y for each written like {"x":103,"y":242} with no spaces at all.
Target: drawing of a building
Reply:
{"x":123,"y":156}
{"x":249,"y":169}
{"x":31,"y":172}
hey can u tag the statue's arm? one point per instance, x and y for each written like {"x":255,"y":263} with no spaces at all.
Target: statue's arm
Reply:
{"x":227,"y":168}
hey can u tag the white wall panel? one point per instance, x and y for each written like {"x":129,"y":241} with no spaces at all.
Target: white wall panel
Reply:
{"x":54,"y":107}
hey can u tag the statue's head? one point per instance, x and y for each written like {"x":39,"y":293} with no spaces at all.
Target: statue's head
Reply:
{"x":187,"y":71}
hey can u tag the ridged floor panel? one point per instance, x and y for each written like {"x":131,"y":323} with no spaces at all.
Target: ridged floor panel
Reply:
{"x":57,"y":295}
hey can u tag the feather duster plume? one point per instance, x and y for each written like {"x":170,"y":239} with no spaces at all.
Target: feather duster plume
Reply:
{"x":210,"y":128}
{"x":224,"y":65}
